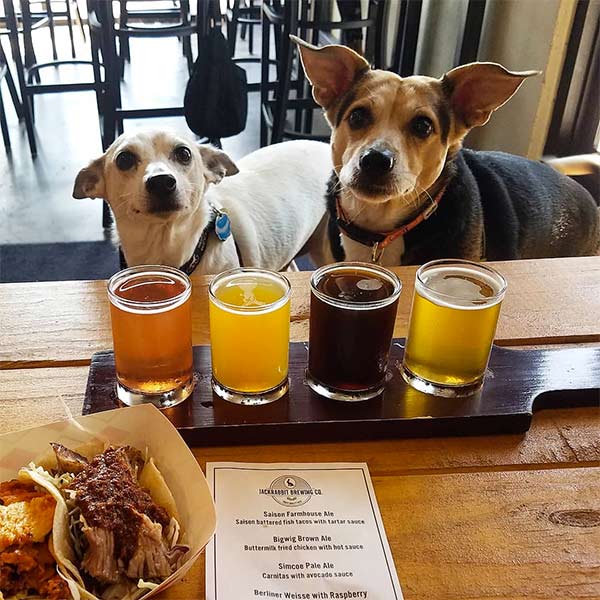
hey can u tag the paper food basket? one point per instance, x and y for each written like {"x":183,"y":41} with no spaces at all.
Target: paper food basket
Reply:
{"x":142,"y":427}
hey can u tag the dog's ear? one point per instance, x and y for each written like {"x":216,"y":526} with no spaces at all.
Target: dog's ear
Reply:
{"x":476,"y":90}
{"x":331,"y":70}
{"x":89,"y":182}
{"x":217,"y":164}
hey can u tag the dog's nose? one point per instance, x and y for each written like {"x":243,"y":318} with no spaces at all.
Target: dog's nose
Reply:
{"x":161,"y":185}
{"x":377,"y":160}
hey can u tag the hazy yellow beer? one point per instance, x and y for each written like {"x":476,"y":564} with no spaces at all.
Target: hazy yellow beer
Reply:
{"x":452,"y":325}
{"x":250,"y":334}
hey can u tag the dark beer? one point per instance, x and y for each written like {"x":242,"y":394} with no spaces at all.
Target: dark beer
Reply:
{"x":352,"y":314}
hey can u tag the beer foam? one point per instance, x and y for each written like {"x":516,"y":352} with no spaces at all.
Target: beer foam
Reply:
{"x":245,"y":292}
{"x":456,"y":287}
{"x":148,"y":292}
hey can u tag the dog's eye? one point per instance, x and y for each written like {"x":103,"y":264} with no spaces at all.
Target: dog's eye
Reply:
{"x":422,"y":127}
{"x":183,"y":155}
{"x":126,"y":160}
{"x":359,"y":118}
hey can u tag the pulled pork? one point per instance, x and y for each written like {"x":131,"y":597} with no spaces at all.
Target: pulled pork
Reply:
{"x":123,"y":526}
{"x":68,"y":461}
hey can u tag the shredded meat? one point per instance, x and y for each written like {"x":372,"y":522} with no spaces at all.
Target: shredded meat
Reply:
{"x":32,"y":569}
{"x":99,"y":559}
{"x":68,"y":461}
{"x":123,"y":524}
{"x":150,"y":558}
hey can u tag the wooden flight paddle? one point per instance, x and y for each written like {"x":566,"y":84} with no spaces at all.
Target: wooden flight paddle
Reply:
{"x":517,"y":383}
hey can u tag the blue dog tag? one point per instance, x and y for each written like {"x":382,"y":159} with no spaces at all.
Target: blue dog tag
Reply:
{"x":222,"y":226}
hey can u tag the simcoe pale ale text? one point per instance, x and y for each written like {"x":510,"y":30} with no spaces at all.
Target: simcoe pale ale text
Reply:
{"x":151,"y":315}
{"x":352,"y":315}
{"x":453,"y":322}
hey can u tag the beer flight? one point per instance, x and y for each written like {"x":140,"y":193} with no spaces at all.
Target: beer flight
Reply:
{"x":353,"y":309}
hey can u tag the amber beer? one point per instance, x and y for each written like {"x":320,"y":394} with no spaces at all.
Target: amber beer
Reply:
{"x":151,"y":314}
{"x":352,"y":314}
{"x":452,"y":326}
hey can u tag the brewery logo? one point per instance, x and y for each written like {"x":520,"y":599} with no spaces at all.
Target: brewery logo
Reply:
{"x":290,"y":490}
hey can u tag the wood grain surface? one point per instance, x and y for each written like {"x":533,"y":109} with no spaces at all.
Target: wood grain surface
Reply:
{"x":508,"y":517}
{"x":64,"y":323}
{"x":480,"y":536}
{"x":558,"y":437}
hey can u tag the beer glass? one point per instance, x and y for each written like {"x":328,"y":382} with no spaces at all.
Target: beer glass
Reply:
{"x":452,"y":326}
{"x":151,"y":315}
{"x":352,"y":315}
{"x":249,"y":313}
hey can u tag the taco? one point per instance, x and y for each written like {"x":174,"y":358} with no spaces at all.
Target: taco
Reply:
{"x":116,"y":532}
{"x":27,"y":566}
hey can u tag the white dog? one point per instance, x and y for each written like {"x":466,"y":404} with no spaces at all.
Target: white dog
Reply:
{"x":158,"y":185}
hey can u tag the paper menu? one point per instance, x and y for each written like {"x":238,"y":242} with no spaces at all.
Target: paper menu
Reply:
{"x":297,"y":532}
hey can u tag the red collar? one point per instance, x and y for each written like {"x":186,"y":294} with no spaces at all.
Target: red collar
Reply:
{"x":380,"y":241}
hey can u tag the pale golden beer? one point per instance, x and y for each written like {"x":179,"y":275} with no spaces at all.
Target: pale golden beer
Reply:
{"x":452,"y":326}
{"x":249,"y":313}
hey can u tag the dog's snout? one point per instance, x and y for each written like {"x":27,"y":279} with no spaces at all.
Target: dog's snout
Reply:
{"x":161,"y":185}
{"x":377,"y":160}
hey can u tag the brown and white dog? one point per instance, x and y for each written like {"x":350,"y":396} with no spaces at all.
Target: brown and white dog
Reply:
{"x":402,"y":182}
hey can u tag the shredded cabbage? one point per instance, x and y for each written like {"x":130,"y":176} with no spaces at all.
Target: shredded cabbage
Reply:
{"x":146,"y":585}
{"x":59,"y":481}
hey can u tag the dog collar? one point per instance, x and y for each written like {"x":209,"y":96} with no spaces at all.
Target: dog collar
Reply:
{"x":220,"y":223}
{"x":378,"y":242}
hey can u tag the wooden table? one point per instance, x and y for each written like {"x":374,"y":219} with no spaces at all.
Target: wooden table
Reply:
{"x":504,"y":517}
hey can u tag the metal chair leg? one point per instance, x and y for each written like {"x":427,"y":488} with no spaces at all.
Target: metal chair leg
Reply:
{"x":4,"y":125}
{"x":10,"y":82}
{"x":264,"y":81}
{"x":251,"y":29}
{"x":186,"y":41}
{"x":11,"y":23}
{"x":283,"y":87}
{"x":30,"y":57}
{"x":232,"y":26}
{"x":107,"y":218}
{"x":70,"y":26}
{"x":51,"y":28}
{"x":124,"y":48}
{"x":79,"y":19}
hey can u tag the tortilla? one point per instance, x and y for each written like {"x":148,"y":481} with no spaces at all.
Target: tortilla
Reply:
{"x":149,"y":478}
{"x":152,"y":479}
